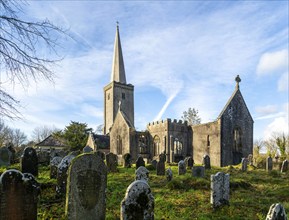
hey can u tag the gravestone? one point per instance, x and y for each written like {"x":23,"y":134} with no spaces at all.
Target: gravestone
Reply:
{"x":18,"y":196}
{"x":161,"y":168}
{"x":276,"y":212}
{"x":142,"y":173}
{"x":138,"y":202}
{"x":162,"y":157}
{"x":244,"y":163}
{"x":111,"y":162}
{"x":139,"y":162}
{"x":250,"y":159}
{"x":154,"y":163}
{"x":189,"y":162}
{"x":182,"y":167}
{"x":5,"y":156}
{"x":284,"y":167}
{"x":62,"y":172}
{"x":87,"y":149}
{"x":29,"y":161}
{"x":127,"y":160}
{"x":220,"y":188}
{"x":269,"y":163}
{"x":100,"y":154}
{"x":43,"y":157}
{"x":198,"y":171}
{"x":54,"y":167}
{"x":86,"y":185}
{"x":169,"y":174}
{"x":207,"y":162}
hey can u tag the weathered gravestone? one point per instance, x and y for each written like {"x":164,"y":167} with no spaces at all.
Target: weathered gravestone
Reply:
{"x":87,"y":149}
{"x":269,"y":163}
{"x":276,"y":212}
{"x":198,"y":171}
{"x":250,"y":159}
{"x":62,"y":172}
{"x":127,"y":160}
{"x":43,"y":157}
{"x":161,"y":168}
{"x":182,"y":167}
{"x":5,"y":156}
{"x":138,"y":202}
{"x":87,"y":180}
{"x":100,"y":154}
{"x":284,"y":167}
{"x":142,"y":173}
{"x":154,"y":163}
{"x":18,"y":196}
{"x":189,"y":162}
{"x":29,"y":161}
{"x":111,"y":162}
{"x":207,"y":162}
{"x":139,"y":162}
{"x":162,"y":157}
{"x":169,"y":174}
{"x":244,"y":163}
{"x":54,"y":167}
{"x":220,"y":189}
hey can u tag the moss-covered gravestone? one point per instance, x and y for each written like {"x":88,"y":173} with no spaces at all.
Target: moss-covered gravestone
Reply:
{"x":220,"y":189}
{"x":127,"y":160}
{"x":29,"y":161}
{"x":54,"y":166}
{"x":142,"y":173}
{"x":139,"y":162}
{"x":86,"y":185}
{"x":269,"y":163}
{"x":5,"y":156}
{"x":182,"y":167}
{"x":207,"y":162}
{"x":18,"y":196}
{"x":111,"y":162}
{"x":169,"y":174}
{"x":138,"y":202}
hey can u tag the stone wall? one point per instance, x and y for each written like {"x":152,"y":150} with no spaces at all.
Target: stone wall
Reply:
{"x":207,"y":140}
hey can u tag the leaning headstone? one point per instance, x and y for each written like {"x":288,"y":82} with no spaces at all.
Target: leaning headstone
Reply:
{"x":29,"y":161}
{"x":5,"y":156}
{"x":182,"y":167}
{"x":87,"y":149}
{"x":138,"y":202}
{"x":220,"y":188}
{"x":18,"y":195}
{"x":207,"y":162}
{"x":161,"y":168}
{"x":127,"y":160}
{"x":276,"y":212}
{"x":154,"y":163}
{"x":54,"y":167}
{"x":86,"y":185}
{"x":111,"y":162}
{"x":142,"y":173}
{"x":169,"y":174}
{"x":284,"y":167}
{"x":62,"y":172}
{"x":244,"y":163}
{"x":269,"y":163}
{"x":139,"y":162}
{"x":198,"y":171}
{"x":250,"y":159}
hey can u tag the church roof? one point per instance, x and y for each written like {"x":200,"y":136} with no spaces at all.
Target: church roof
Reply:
{"x":118,"y":72}
{"x":237,"y":91}
{"x":101,"y":141}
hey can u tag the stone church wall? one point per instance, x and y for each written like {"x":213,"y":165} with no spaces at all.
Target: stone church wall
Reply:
{"x":207,"y":140}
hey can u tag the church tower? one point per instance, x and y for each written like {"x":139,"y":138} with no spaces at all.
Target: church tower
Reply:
{"x":118,"y":94}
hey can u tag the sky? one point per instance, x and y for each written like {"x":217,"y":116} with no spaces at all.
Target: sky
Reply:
{"x":177,"y":54}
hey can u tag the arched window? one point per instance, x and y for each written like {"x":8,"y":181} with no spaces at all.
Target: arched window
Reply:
{"x":118,"y":145}
{"x":156,"y":145}
{"x":142,"y":144}
{"x":237,"y":144}
{"x":178,"y":145}
{"x":208,"y":141}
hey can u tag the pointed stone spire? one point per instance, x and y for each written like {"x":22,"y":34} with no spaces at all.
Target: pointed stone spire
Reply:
{"x":118,"y":72}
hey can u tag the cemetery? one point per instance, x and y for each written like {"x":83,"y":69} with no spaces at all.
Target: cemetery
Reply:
{"x":88,"y":186}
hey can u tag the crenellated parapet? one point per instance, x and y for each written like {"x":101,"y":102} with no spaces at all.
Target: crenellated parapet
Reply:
{"x":168,"y":124}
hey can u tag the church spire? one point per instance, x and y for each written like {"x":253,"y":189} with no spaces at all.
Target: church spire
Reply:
{"x":118,"y":72}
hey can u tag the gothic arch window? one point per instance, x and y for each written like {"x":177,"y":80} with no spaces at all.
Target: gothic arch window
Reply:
{"x":156,"y":145}
{"x":118,"y":145}
{"x":178,"y":145}
{"x":142,"y":144}
{"x":237,"y":144}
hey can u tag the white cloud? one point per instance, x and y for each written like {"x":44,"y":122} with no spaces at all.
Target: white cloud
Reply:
{"x":272,"y":62}
{"x":283,"y":82}
{"x":279,"y":125}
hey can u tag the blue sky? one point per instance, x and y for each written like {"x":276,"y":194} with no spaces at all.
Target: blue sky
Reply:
{"x":177,"y":54}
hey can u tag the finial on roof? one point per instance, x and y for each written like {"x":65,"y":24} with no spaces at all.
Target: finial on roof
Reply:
{"x":238,"y":80}
{"x":117,"y":24}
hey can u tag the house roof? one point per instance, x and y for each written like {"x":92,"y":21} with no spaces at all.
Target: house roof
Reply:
{"x":52,"y":141}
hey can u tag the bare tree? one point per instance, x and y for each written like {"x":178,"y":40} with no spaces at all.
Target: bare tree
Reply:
{"x":192,"y":116}
{"x":258,"y":146}
{"x":19,"y":138}
{"x":10,"y":136}
{"x":42,"y":132}
{"x":19,"y":56}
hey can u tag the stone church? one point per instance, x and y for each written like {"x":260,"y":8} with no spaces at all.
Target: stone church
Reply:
{"x":226,"y":140}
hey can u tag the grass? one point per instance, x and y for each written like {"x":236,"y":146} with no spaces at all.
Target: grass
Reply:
{"x":185,"y":197}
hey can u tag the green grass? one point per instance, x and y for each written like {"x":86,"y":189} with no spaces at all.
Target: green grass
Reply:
{"x":185,"y":197}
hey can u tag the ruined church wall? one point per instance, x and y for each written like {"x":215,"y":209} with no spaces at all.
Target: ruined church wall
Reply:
{"x":202,"y":134}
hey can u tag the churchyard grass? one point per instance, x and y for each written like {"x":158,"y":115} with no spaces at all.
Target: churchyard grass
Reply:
{"x":185,"y":197}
